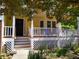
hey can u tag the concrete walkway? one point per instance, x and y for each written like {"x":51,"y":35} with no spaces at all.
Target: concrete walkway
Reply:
{"x":21,"y":54}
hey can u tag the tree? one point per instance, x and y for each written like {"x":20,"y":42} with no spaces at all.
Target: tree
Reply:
{"x":11,"y":7}
{"x":58,"y":8}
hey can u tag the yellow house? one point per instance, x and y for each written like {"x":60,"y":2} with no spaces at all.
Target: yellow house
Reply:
{"x":39,"y":20}
{"x":23,"y":25}
{"x":19,"y":27}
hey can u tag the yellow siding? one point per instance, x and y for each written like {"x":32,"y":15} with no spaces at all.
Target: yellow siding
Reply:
{"x":8,"y":20}
{"x":41,"y":16}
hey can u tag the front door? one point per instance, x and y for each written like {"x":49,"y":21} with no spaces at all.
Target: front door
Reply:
{"x":19,"y":27}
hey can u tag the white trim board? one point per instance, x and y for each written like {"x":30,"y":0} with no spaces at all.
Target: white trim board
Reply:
{"x":1,"y":17}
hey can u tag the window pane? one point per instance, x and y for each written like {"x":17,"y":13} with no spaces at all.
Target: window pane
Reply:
{"x":53,"y":24}
{"x":41,"y":23}
{"x":48,"y":24}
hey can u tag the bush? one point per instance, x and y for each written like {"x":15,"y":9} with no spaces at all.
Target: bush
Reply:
{"x":70,"y":55}
{"x":0,"y":57}
{"x":62,"y":52}
{"x":76,"y":50}
{"x":38,"y":55}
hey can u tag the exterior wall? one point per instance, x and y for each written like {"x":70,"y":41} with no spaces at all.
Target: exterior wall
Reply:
{"x":41,"y":16}
{"x":27,"y":25}
{"x":8,"y":20}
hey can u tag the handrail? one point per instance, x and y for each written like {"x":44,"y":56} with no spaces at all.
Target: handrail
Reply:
{"x":53,"y":32}
{"x":8,"y":31}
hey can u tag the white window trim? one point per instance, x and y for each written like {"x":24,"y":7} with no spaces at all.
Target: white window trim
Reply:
{"x":1,"y":17}
{"x":45,"y":23}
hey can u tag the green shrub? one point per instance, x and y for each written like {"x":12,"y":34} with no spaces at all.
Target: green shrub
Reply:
{"x":62,"y":52}
{"x":38,"y":55}
{"x":76,"y":50}
{"x":0,"y":57}
{"x":70,"y":55}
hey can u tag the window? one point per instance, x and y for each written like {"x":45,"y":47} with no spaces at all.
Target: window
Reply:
{"x":48,"y":24}
{"x":53,"y":24}
{"x":41,"y":23}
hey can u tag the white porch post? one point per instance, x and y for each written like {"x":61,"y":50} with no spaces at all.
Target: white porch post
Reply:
{"x":59,"y":34}
{"x":32,"y":34}
{"x":32,"y":28}
{"x":58,"y":25}
{"x":13,"y":32}
{"x":2,"y":26}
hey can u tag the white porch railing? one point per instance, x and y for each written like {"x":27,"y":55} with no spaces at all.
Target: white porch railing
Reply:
{"x":7,"y":31}
{"x":52,"y":32}
{"x":45,"y":31}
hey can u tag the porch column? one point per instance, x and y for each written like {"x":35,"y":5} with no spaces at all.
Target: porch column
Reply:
{"x":32,"y":34}
{"x":32,"y":28}
{"x":13,"y":31}
{"x":59,"y":34}
{"x":58,"y":25}
{"x":2,"y":26}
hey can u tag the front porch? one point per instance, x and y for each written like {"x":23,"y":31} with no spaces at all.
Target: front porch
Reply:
{"x":37,"y":36}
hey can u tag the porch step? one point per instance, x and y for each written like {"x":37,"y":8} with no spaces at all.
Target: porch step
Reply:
{"x":22,"y":46}
{"x":22,"y":42}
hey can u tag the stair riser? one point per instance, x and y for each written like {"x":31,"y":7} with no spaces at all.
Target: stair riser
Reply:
{"x":22,"y":46}
{"x":22,"y":43}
